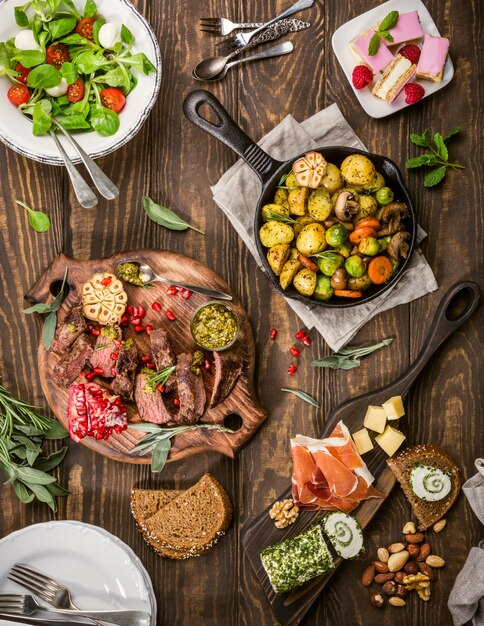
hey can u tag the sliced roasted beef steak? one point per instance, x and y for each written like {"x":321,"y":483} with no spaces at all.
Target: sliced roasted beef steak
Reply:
{"x":123,"y":383}
{"x":101,"y":357}
{"x":68,"y":330}
{"x":71,"y":363}
{"x":151,"y":406}
{"x":228,"y":368}
{"x":163,"y":354}
{"x":191,"y":391}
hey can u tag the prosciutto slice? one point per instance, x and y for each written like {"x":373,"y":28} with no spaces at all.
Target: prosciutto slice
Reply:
{"x":329,"y":473}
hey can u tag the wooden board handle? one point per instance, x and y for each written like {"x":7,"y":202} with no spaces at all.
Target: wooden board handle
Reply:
{"x":42,"y":291}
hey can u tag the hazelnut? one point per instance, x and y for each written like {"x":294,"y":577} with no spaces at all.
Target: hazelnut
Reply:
{"x":413,"y":549}
{"x":401,"y":592}
{"x":411,"y":567}
{"x":390,"y":588}
{"x":399,"y":576}
{"x":377,"y":600}
{"x":380,"y":567}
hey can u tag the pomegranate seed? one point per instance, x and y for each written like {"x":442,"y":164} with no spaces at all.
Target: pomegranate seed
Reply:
{"x":170,"y":315}
{"x":156,"y":306}
{"x":160,"y":388}
{"x":187,"y":294}
{"x":306,"y":341}
{"x":124,"y":320}
{"x":171,"y":291}
{"x":106,"y":281}
{"x":130,"y":309}
{"x":176,"y":402}
{"x":146,"y":358}
{"x":117,"y":343}
{"x":99,"y":371}
{"x":300,"y":334}
{"x":139,"y":328}
{"x":136,"y":321}
{"x":179,"y":288}
{"x":148,"y":329}
{"x":273,"y":333}
{"x":150,"y":366}
{"x":113,"y":371}
{"x":294,"y":351}
{"x":207,"y":365}
{"x":90,"y":376}
{"x":114,"y":356}
{"x":95,"y":332}
{"x":292,"y":370}
{"x":141,"y":312}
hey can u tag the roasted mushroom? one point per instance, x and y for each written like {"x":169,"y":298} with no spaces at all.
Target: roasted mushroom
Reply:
{"x":310,"y":169}
{"x":392,"y":216}
{"x":339,"y":279}
{"x":398,"y":247}
{"x":346,"y":206}
{"x":333,"y":220}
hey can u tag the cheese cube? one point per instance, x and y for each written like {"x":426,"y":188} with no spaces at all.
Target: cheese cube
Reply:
{"x":394,"y":408}
{"x":390,"y":440}
{"x":375,"y":419}
{"x":362,"y":441}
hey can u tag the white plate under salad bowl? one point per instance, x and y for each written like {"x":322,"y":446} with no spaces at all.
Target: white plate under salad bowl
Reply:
{"x":102,"y":572}
{"x":373,"y":106}
{"x":16,"y":132}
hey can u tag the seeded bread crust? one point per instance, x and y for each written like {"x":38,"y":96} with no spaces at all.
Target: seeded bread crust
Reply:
{"x":427,"y":513}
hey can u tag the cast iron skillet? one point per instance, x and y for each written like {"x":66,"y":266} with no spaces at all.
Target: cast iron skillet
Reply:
{"x":270,"y":171}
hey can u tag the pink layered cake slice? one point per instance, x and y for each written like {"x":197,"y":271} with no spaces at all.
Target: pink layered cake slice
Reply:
{"x":393,"y":79}
{"x":432,"y":58}
{"x":376,"y":62}
{"x":407,"y":28}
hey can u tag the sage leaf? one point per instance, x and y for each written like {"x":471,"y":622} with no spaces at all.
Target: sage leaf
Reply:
{"x":32,"y":476}
{"x":23,"y":494}
{"x":160,"y":454}
{"x":44,"y":495}
{"x":165,"y":217}
{"x":303,"y":396}
{"x":434,"y":177}
{"x":48,"y":331}
{"x":50,"y":462}
{"x":56,"y":489}
{"x":363,"y":351}
{"x":349,"y":357}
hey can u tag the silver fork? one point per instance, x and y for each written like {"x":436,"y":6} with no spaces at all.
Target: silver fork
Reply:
{"x":222,"y":26}
{"x":48,"y":589}
{"x":242,"y":39}
{"x":17,"y":604}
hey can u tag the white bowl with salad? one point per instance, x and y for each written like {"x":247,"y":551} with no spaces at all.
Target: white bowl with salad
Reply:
{"x":94,"y":65}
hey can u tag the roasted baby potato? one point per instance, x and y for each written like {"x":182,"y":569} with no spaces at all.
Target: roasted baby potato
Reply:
{"x":280,"y":197}
{"x":301,"y":222}
{"x":277,"y":256}
{"x":311,"y":239}
{"x":279,"y":209}
{"x":305,"y":282}
{"x":293,"y":254}
{"x":377,"y":183}
{"x":332,"y":180}
{"x":297,"y":200}
{"x":358,"y":284}
{"x":290,"y":269}
{"x":291,"y":181}
{"x":319,"y":204}
{"x":357,"y":169}
{"x":368,"y":207}
{"x":273,"y":233}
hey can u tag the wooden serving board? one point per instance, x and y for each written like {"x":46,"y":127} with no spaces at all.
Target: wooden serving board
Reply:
{"x":241,"y":402}
{"x":455,"y":308}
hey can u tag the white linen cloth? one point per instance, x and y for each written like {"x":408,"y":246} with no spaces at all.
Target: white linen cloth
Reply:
{"x":237,"y":193}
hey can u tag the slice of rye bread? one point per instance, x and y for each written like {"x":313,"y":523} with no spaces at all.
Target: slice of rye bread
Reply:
{"x":193,"y":522}
{"x":427,"y":513}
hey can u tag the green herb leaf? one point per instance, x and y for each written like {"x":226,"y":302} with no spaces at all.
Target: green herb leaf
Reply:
{"x":386,"y":36}
{"x":127,"y":36}
{"x":23,"y":494}
{"x":441,"y":147}
{"x":283,"y":179}
{"x":44,"y":495}
{"x":160,"y":454}
{"x":69,"y":72}
{"x":104,"y":121}
{"x":422,"y":140}
{"x":39,"y":221}
{"x":21,"y":17}
{"x":453,"y":132}
{"x":390,"y":21}
{"x":29,"y":58}
{"x":44,"y":77}
{"x":424,"y":159}
{"x":158,"y":378}
{"x":349,"y":357}
{"x":55,"y":431}
{"x":277,"y":217}
{"x":364,"y":350}
{"x":165,"y":217}
{"x":48,"y":331}
{"x":42,"y":125}
{"x":374,"y":45}
{"x":434,"y":177}
{"x":59,"y":28}
{"x":96,"y":28}
{"x":303,"y":396}
{"x":49,"y":463}
{"x":90,"y":9}
{"x":33,"y":476}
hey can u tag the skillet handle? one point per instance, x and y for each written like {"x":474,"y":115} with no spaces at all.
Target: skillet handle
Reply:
{"x":227,"y":131}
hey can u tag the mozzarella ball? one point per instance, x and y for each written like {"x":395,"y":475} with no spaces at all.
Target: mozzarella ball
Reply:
{"x":25,"y":40}
{"x":58,"y":90}
{"x":109,"y":35}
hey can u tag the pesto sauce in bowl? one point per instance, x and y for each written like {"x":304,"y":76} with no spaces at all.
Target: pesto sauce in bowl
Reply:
{"x":215,"y":326}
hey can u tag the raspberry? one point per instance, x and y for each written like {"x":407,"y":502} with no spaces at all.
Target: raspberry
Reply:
{"x":410,"y":52}
{"x":413,"y":93}
{"x":361,"y":77}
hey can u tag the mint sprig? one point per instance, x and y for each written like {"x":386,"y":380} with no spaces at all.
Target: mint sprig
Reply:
{"x":383,"y":32}
{"x":438,"y":155}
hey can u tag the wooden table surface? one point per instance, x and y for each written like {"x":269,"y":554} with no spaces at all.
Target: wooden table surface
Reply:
{"x":175,"y":163}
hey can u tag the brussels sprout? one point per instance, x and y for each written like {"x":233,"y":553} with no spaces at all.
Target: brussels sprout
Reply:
{"x":395,"y":264}
{"x":311,"y":239}
{"x":344,"y":250}
{"x":384,"y":196}
{"x":332,"y":180}
{"x":280,"y":197}
{"x":336,"y":235}
{"x":323,"y":290}
{"x":355,"y":266}
{"x":368,"y":246}
{"x":383,"y":243}
{"x":358,"y":284}
{"x":278,"y":209}
{"x":368,"y":207}
{"x":329,"y":263}
{"x":357,"y":169}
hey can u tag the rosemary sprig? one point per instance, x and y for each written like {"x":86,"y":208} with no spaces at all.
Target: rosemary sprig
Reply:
{"x":277,"y":217}
{"x":158,"y":378}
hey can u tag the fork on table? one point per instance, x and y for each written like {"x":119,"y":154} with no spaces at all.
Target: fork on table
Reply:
{"x":222,"y":26}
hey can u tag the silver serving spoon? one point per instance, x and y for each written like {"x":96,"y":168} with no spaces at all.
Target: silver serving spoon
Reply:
{"x":148,"y":276}
{"x":275,"y":51}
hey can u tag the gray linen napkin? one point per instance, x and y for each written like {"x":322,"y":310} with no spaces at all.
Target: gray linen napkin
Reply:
{"x":237,"y":193}
{"x":466,"y":600}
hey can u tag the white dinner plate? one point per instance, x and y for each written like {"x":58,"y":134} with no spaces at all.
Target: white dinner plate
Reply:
{"x":375,"y":107}
{"x":102,"y":572}
{"x":16,"y":131}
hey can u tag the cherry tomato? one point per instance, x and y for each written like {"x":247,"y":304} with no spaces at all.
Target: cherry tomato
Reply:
{"x":113,"y":99}
{"x":75,"y":91}
{"x":57,"y":54}
{"x":23,"y":71}
{"x":18,"y":94}
{"x":84,"y":28}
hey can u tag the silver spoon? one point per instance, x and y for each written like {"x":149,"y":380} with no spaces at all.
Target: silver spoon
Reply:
{"x":148,"y":276}
{"x":275,"y":51}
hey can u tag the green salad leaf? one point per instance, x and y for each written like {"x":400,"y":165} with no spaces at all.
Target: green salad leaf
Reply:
{"x":39,"y":221}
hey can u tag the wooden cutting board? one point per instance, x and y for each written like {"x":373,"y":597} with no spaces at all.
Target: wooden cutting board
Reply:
{"x":455,"y":308}
{"x":240,"y":411}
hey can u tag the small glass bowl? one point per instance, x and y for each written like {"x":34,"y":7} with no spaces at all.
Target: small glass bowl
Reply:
{"x":226,"y":306}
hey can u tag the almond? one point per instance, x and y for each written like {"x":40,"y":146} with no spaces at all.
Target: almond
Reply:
{"x":414,"y":537}
{"x":394,"y":601}
{"x":383,"y":555}
{"x":397,"y":560}
{"x":427,"y":570}
{"x":424,"y":552}
{"x":381,"y":579}
{"x":381,"y":568}
{"x":435,"y":561}
{"x":439,"y":526}
{"x":396,"y":547}
{"x":409,"y":528}
{"x":368,"y":576}
{"x":413,"y":550}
